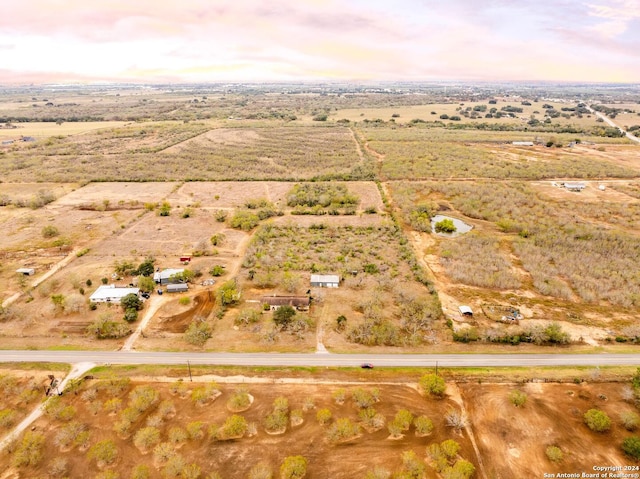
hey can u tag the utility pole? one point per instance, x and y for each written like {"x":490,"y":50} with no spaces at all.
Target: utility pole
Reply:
{"x":436,"y":368}
{"x":189,"y":366}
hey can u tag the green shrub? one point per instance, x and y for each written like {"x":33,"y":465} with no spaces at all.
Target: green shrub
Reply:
{"x":445,"y":226}
{"x":517,"y":398}
{"x":597,"y":420}
{"x":554,"y":453}
{"x":631,"y":447}
{"x":293,"y":467}
{"x":50,"y":231}
{"x":432,"y":385}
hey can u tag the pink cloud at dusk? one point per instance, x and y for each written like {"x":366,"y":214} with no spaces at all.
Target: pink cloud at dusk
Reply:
{"x":253,"y":40}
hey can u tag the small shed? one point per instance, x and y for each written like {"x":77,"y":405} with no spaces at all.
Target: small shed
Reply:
{"x":301,"y":303}
{"x":164,"y":276}
{"x":325,"y":280}
{"x":523,"y":143}
{"x":26,"y":271}
{"x":465,"y":310}
{"x":177,"y":288}
{"x":110,"y":293}
{"x":185,"y":259}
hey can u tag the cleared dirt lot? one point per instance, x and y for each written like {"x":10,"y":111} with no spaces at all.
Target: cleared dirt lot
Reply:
{"x":509,"y":441}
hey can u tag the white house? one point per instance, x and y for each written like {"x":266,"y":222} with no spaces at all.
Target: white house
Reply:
{"x":523,"y":143}
{"x":164,"y":276}
{"x":110,"y":293}
{"x":325,"y":280}
{"x":465,"y":310}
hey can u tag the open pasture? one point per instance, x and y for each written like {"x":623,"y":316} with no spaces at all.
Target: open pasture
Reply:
{"x":477,"y":113}
{"x":272,"y":153}
{"x":44,"y":130}
{"x":417,"y":156}
{"x":165,"y":151}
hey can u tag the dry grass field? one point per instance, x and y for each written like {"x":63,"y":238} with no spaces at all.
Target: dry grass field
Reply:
{"x":534,"y":247}
{"x":166,"y":151}
{"x":427,"y":153}
{"x":44,"y":130}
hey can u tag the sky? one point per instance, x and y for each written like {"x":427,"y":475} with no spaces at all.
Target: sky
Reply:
{"x":86,"y":41}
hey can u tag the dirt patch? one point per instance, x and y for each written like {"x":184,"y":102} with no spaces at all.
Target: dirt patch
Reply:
{"x":203,"y":304}
{"x":513,"y":441}
{"x":591,"y":193}
{"x":116,"y":193}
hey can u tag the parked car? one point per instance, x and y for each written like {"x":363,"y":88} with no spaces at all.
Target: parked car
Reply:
{"x":160,"y":291}
{"x":366,"y":366}
{"x":145,"y":295}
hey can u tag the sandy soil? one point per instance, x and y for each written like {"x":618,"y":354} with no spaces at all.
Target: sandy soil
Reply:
{"x":510,"y":442}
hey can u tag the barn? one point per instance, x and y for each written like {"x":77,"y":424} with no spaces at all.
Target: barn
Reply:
{"x":325,"y":280}
{"x":110,"y":293}
{"x":177,"y":288}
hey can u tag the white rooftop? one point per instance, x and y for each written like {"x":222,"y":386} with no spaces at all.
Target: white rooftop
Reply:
{"x":465,"y":310}
{"x":325,"y":278}
{"x":167,"y":273}
{"x":111,"y":292}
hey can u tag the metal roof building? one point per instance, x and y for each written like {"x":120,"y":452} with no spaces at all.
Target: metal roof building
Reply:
{"x":177,"y":288}
{"x":110,"y":293}
{"x":325,"y":280}
{"x":163,"y":277}
{"x":26,"y":271}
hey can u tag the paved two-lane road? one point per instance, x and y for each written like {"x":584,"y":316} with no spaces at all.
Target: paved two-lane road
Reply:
{"x":611,"y":123}
{"x":321,"y":360}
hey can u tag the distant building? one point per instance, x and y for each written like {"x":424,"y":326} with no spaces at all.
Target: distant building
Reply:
{"x":325,"y":280}
{"x":574,"y":186}
{"x":7,"y":142}
{"x":26,"y":271}
{"x":28,"y":138}
{"x":177,"y":288}
{"x":110,"y":293}
{"x":465,"y":310}
{"x":523,"y":143}
{"x":301,"y":303}
{"x":164,"y":276}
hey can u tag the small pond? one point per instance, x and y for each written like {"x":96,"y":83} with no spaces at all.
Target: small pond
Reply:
{"x":461,"y":226}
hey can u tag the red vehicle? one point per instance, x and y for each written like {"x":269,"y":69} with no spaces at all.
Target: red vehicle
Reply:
{"x":366,"y":366}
